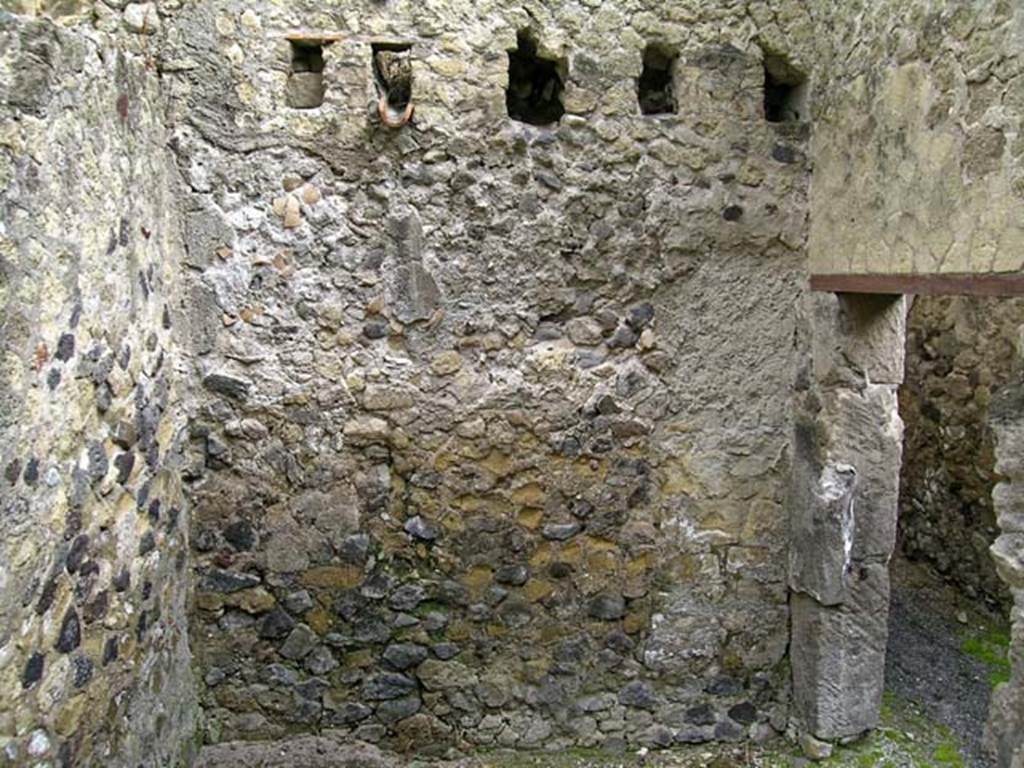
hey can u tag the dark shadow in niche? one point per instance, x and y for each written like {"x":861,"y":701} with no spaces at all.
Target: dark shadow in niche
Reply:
{"x":535,"y":84}
{"x":785,"y":91}
{"x":655,"y":88}
{"x":306,"y":81}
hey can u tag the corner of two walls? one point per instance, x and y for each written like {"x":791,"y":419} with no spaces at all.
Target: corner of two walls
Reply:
{"x":94,"y":659}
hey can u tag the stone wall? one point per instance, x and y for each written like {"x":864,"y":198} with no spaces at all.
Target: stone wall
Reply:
{"x":919,"y":157}
{"x":94,"y":663}
{"x":492,"y":441}
{"x":1006,"y":716}
{"x":961,"y":352}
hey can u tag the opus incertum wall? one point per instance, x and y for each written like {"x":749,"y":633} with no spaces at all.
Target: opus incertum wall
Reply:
{"x":467,"y":351}
{"x":94,"y":658}
{"x":492,"y":442}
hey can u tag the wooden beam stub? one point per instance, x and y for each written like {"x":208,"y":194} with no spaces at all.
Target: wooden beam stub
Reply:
{"x":949,"y":284}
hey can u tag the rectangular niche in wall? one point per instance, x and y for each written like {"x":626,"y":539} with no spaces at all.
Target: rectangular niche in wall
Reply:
{"x":393,"y":75}
{"x":306,"y":78}
{"x":785,"y":91}
{"x":535,"y":84}
{"x":655,"y":86}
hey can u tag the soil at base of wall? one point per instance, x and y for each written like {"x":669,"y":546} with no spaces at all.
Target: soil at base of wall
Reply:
{"x":943,"y":653}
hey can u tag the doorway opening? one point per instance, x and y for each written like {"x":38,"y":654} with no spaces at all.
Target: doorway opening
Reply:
{"x":948,"y":628}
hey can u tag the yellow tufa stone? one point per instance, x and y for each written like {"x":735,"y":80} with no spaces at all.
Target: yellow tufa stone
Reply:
{"x":255,"y":600}
{"x":478,"y":578}
{"x":497,"y":630}
{"x":497,"y":463}
{"x":634,"y":623}
{"x":360,"y":659}
{"x":311,"y":195}
{"x":209,"y":601}
{"x":529,"y":495}
{"x":319,"y":620}
{"x":332,"y":577}
{"x":676,"y":478}
{"x":530,"y":518}
{"x":460,"y":631}
{"x":446,"y":363}
{"x":537,"y":589}
{"x":70,"y":715}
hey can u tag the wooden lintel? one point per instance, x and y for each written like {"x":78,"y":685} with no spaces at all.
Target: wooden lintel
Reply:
{"x":951,"y":284}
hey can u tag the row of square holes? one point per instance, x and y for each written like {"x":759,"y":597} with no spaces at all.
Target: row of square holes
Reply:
{"x":534,"y":92}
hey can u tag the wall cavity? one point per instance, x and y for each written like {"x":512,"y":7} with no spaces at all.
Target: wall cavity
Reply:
{"x":535,"y":83}
{"x":786,"y":91}
{"x":656,"y":86}
{"x":306,"y":77}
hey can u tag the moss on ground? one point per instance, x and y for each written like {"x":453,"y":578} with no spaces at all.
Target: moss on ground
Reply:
{"x":990,"y":645}
{"x":905,"y":738}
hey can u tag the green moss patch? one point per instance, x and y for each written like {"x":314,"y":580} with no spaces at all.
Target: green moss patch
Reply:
{"x":991,"y":647}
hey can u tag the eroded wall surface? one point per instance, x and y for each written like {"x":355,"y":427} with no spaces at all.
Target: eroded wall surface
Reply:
{"x":94,"y":664}
{"x":917,"y":145}
{"x":492,"y":442}
{"x":961,"y":353}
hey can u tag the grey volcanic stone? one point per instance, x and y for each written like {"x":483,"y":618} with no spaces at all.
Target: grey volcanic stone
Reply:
{"x":401,"y":656}
{"x":607,"y":607}
{"x":638,"y":694}
{"x":304,"y":751}
{"x":422,"y":529}
{"x":514,"y":575}
{"x":819,"y":557}
{"x":276,"y":625}
{"x":70,"y":636}
{"x":300,"y":642}
{"x":561,"y":531}
{"x":835,"y":693}
{"x":702,"y":714}
{"x":230,"y":386}
{"x":33,"y":671}
{"x":388,"y":685}
{"x":398,"y":709}
{"x":349,"y":713}
{"x":217,"y":580}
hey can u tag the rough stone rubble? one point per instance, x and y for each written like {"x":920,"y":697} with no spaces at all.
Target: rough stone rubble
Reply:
{"x":469,"y":433}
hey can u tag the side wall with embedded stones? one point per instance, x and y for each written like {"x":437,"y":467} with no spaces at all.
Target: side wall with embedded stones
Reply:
{"x":492,"y":441}
{"x":961,"y":353}
{"x":94,"y":662}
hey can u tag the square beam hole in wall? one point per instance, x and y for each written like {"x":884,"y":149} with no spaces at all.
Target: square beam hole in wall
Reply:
{"x":535,"y":84}
{"x":785,"y":91}
{"x":306,"y":78}
{"x":392,"y":73}
{"x":655,"y":88}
